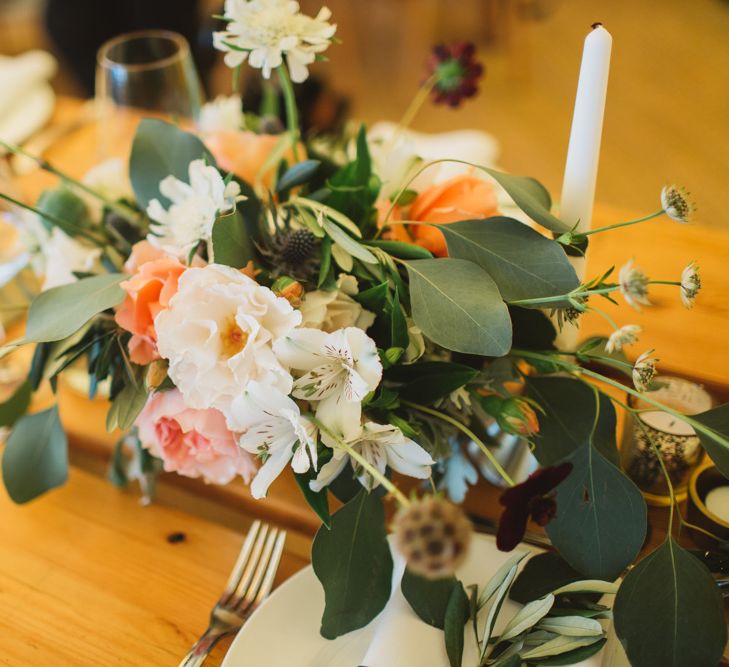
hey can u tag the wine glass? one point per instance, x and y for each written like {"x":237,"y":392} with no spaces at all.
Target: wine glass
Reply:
{"x":143,"y":74}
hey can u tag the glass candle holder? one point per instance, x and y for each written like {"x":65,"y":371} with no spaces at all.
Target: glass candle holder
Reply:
{"x":676,"y":441}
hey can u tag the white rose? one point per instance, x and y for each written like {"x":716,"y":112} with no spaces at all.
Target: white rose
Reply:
{"x":217,"y":335}
{"x":335,"y":309}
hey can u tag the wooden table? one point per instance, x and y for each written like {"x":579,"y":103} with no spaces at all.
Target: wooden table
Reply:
{"x":89,"y":574}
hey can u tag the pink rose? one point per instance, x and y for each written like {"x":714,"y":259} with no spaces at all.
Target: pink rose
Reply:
{"x":194,"y":443}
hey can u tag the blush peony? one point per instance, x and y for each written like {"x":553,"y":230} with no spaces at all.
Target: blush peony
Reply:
{"x":217,"y":335}
{"x":194,"y":443}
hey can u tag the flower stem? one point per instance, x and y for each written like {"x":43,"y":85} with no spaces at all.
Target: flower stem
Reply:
{"x":416,"y":104}
{"x":466,"y":431}
{"x":354,"y":454}
{"x":292,"y":113}
{"x":623,"y":224}
{"x":564,"y":297}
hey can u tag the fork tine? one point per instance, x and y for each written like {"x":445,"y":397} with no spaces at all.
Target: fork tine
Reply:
{"x":245,"y":595}
{"x":250,"y":564}
{"x":245,"y":552}
{"x":267,"y":583}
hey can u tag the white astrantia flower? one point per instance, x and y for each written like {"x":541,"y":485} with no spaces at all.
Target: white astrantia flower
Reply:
{"x":222,"y":114}
{"x":690,"y":284}
{"x":633,"y":285}
{"x":218,"y":333}
{"x":330,"y":310}
{"x":644,"y":370}
{"x":625,"y":335}
{"x":273,"y":429}
{"x":381,"y":445}
{"x":263,"y":32}
{"x":336,"y":370}
{"x":195,"y":206}
{"x":676,"y":203}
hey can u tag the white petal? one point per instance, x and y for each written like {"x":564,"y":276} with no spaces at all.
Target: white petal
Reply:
{"x":302,"y":349}
{"x":340,"y":416}
{"x":328,"y":473}
{"x":410,"y":459}
{"x":269,"y":471}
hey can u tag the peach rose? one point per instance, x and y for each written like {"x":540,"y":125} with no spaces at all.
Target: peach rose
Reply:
{"x":244,"y":153}
{"x":149,"y":291}
{"x":194,"y":443}
{"x":463,"y":197}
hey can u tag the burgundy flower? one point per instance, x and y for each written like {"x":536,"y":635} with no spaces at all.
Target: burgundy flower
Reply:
{"x":456,"y":72}
{"x":533,"y":498}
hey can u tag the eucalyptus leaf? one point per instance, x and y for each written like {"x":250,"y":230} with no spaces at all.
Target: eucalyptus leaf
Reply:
{"x":669,"y":611}
{"x":523,"y":263}
{"x":428,"y":597}
{"x":401,"y":249}
{"x":161,"y":149}
{"x":601,"y":517}
{"x":36,"y":456}
{"x":352,"y":561}
{"x":318,"y":500}
{"x":428,"y":381}
{"x":456,"y":616}
{"x":457,"y":305}
{"x":528,"y":616}
{"x":63,"y":204}
{"x":17,"y":405}
{"x":543,"y":573}
{"x":716,"y":447}
{"x":234,"y":235}
{"x":126,"y":406}
{"x":300,"y":173}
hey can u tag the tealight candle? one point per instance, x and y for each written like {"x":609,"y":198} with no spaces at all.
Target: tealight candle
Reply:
{"x":717,"y":502}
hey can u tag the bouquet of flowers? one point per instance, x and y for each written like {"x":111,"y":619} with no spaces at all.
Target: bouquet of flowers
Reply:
{"x":254,"y":302}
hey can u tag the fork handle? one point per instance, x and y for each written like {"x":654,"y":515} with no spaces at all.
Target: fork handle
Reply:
{"x":201,"y":648}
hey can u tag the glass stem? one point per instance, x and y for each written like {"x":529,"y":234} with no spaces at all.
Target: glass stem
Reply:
{"x":292,"y":114}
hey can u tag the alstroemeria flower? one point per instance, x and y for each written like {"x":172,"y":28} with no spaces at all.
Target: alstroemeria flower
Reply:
{"x":532,"y":498}
{"x":274,"y":430}
{"x":337,"y":371}
{"x":382,"y":445}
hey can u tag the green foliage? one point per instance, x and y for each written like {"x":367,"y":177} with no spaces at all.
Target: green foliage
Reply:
{"x":401,"y":250}
{"x":457,"y":305}
{"x":523,"y":263}
{"x":36,"y":456}
{"x":234,"y":235}
{"x":63,"y":204}
{"x":429,"y":597}
{"x":717,"y":446}
{"x":542,"y":574}
{"x":601,"y":516}
{"x":17,"y":405}
{"x":533,"y":330}
{"x":318,"y":500}
{"x":300,"y":173}
{"x":569,"y":413}
{"x":126,"y":406}
{"x":427,"y":381}
{"x":669,"y":611}
{"x":456,"y":616}
{"x":353,"y":563}
{"x":161,"y":149}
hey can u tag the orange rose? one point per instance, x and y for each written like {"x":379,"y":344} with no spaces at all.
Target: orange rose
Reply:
{"x":245,"y":153}
{"x":463,"y":197}
{"x":149,"y":291}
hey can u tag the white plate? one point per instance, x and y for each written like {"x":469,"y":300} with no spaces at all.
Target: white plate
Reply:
{"x":284,"y":631}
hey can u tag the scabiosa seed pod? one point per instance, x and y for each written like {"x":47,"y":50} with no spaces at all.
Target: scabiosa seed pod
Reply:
{"x":433,"y":536}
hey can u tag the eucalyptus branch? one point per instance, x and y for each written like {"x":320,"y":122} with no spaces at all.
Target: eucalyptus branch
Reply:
{"x":292,"y":114}
{"x":466,"y":431}
{"x":354,"y":454}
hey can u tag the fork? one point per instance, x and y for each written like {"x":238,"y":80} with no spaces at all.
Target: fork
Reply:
{"x":249,"y":584}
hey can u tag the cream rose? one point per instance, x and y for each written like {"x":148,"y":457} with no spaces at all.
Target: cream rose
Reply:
{"x":217,"y":334}
{"x":335,"y":309}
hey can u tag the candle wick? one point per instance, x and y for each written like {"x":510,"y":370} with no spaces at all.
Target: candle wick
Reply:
{"x":596,"y":25}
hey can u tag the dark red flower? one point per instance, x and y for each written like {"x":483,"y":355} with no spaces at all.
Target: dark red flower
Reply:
{"x":456,"y":72}
{"x":533,"y":498}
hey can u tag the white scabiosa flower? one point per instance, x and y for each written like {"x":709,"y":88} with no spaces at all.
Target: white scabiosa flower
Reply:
{"x":626,"y":335}
{"x":274,"y":430}
{"x":218,"y":333}
{"x":222,"y":114}
{"x":193,"y":210}
{"x":336,"y":371}
{"x":644,"y":370}
{"x":634,"y":285}
{"x":263,"y":32}
{"x":690,"y":284}
{"x":381,"y":445}
{"x":676,"y":203}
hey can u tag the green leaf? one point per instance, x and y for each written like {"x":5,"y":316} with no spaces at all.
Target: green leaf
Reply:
{"x":232,"y":245}
{"x":571,"y":626}
{"x":669,"y":611}
{"x":716,"y":447}
{"x":588,"y":586}
{"x":161,"y":149}
{"x":456,"y":615}
{"x":601,"y":517}
{"x":532,"y":198}
{"x":428,"y":381}
{"x":558,"y":646}
{"x":61,"y":311}
{"x":300,"y":173}
{"x":401,"y":250}
{"x":353,"y":563}
{"x":36,"y":456}
{"x":566,"y":423}
{"x":64,"y":204}
{"x":533,"y":330}
{"x":398,"y":324}
{"x":127,"y":405}
{"x":523,"y":263}
{"x":17,"y":405}
{"x":457,"y":305}
{"x":528,"y":616}
{"x":542,"y":574}
{"x":573,"y":657}
{"x":428,"y":597}
{"x":354,"y":248}
{"x":318,"y":500}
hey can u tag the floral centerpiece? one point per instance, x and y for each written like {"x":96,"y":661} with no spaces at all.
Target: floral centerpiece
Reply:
{"x":254,"y":303}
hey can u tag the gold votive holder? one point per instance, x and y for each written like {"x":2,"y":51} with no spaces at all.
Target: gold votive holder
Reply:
{"x":708,"y":504}
{"x":676,"y":441}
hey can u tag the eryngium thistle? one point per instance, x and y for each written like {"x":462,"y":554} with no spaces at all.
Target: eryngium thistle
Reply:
{"x":433,"y":536}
